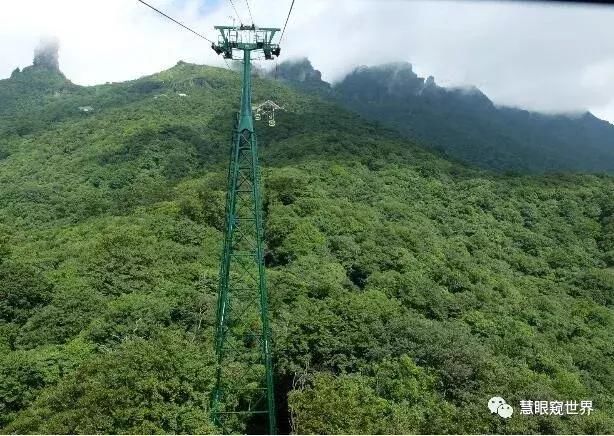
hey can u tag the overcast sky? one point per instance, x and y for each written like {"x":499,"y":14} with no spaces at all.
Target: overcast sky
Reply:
{"x":548,"y":57}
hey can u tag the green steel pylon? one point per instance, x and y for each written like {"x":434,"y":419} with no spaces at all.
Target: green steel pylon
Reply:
{"x":244,"y":373}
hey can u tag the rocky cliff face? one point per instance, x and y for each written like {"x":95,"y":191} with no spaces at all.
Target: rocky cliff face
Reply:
{"x":462,"y":121}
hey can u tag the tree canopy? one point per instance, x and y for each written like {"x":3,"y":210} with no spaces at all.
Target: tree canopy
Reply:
{"x":406,"y":289}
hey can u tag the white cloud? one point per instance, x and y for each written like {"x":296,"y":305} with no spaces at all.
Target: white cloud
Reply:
{"x":549,"y":57}
{"x":102,"y":41}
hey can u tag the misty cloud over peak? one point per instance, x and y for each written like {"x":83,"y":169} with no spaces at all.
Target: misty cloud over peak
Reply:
{"x":46,"y":54}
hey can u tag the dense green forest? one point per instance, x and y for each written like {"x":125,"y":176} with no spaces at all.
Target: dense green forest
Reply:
{"x":463,"y":122}
{"x":406,"y":289}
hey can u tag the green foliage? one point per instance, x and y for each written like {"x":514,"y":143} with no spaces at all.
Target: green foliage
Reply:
{"x":406,"y":290}
{"x":142,"y":387}
{"x":22,"y":291}
{"x":129,"y":317}
{"x":67,"y":314}
{"x":396,"y":397}
{"x":23,"y":374}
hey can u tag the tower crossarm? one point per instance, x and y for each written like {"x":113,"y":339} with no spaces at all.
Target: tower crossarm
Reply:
{"x":246,"y":38}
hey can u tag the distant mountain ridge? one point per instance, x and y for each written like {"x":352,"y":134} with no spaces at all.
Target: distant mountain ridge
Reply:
{"x":463,"y":122}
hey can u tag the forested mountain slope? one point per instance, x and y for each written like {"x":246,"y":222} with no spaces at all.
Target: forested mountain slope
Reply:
{"x":464,"y":123}
{"x":406,"y":290}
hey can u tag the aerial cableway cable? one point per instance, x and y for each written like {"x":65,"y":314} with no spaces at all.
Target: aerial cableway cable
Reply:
{"x":250,"y":11}
{"x":181,"y":24}
{"x":175,"y":21}
{"x":236,"y":12}
{"x":286,"y":23}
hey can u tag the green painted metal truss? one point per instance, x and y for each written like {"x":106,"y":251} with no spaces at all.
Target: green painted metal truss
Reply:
{"x":244,"y":373}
